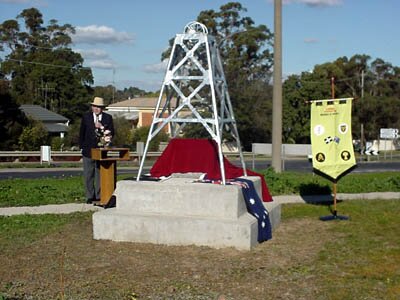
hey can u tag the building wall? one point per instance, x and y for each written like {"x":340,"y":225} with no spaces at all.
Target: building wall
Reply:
{"x":145,"y":119}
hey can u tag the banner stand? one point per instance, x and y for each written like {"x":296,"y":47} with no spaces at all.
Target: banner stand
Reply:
{"x":334,"y":215}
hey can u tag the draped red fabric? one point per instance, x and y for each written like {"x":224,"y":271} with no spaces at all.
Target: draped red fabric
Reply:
{"x":199,"y":155}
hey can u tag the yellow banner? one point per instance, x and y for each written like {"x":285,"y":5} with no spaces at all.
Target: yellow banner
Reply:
{"x":331,"y":140}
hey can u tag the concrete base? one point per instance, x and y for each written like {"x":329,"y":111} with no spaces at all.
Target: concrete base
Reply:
{"x":178,"y":211}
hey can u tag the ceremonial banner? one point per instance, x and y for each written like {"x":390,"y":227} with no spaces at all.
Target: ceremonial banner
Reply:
{"x":331,"y":140}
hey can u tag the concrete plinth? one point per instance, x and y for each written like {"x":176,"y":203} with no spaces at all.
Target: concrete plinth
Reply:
{"x":179,"y":212}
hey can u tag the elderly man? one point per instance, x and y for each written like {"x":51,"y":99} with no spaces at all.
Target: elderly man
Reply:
{"x":91,"y":122}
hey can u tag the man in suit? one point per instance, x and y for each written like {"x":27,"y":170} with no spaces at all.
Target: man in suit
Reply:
{"x":93,"y":121}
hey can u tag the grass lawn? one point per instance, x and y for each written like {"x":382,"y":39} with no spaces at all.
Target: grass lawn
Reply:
{"x":362,"y":259}
{"x":55,"y":257}
{"x":31,"y":192}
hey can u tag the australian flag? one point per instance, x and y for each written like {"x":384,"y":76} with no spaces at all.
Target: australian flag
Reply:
{"x":256,"y":208}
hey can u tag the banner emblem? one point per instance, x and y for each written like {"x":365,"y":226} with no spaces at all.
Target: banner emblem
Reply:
{"x":320,"y":157}
{"x":345,"y":155}
{"x":343,"y":128}
{"x":319,"y":129}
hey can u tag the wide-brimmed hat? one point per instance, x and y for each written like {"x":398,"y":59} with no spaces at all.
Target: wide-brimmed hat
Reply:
{"x":98,"y":102}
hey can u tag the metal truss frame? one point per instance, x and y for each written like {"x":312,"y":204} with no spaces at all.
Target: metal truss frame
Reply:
{"x":195,"y":91}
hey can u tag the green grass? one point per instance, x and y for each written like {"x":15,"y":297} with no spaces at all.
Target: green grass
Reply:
{"x":287,"y":183}
{"x":359,"y":261}
{"x":21,"y":230}
{"x":32,"y":192}
{"x":38,"y":165}
{"x":363,"y":256}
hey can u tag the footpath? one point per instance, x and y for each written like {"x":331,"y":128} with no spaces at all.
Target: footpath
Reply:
{"x":83,"y":207}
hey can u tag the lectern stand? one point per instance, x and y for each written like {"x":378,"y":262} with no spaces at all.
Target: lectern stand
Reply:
{"x":108,"y":158}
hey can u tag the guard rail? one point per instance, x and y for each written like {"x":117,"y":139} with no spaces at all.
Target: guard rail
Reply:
{"x":18,"y":154}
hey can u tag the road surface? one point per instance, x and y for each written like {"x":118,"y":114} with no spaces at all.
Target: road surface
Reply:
{"x":289,"y":165}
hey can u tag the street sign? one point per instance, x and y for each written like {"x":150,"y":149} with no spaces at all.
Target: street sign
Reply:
{"x":389,"y":133}
{"x":372,"y":152}
{"x":370,"y":149}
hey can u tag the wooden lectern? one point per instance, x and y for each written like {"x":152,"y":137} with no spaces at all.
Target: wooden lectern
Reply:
{"x":108,"y":158}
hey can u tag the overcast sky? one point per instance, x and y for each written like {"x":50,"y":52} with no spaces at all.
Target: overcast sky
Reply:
{"x":122,"y":40}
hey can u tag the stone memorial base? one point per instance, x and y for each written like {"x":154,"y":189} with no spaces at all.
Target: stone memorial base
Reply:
{"x":177,"y":211}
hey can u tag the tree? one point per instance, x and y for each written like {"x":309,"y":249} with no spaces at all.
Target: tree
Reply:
{"x":140,"y":135}
{"x":12,"y":119}
{"x":71,"y":139}
{"x":378,"y":81}
{"x":123,"y":133}
{"x":33,"y":136}
{"x":111,"y":94}
{"x":41,"y":67}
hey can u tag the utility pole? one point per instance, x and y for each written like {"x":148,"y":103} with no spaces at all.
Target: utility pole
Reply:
{"x":113,"y":86}
{"x":45,"y":96}
{"x":362,"y":141}
{"x":277,"y":90}
{"x":362,"y":84}
{"x":46,"y":89}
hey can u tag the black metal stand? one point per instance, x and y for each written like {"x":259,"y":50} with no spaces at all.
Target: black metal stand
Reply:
{"x":334,"y":215}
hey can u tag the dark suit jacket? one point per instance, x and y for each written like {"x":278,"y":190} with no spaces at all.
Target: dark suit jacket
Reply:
{"x":87,"y":135}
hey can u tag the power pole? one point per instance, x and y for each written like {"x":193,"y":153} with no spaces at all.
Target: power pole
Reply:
{"x":46,"y":89}
{"x":277,"y":90}
{"x":362,"y":141}
{"x":113,"y":86}
{"x":362,"y":84}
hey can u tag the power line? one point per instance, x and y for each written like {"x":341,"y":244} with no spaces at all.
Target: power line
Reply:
{"x":43,"y":64}
{"x":346,"y":79}
{"x":39,"y":47}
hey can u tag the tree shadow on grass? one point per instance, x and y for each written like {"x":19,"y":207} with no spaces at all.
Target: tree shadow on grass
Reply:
{"x":316,"y":194}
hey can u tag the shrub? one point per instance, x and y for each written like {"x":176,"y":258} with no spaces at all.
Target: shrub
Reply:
{"x":33,"y":136}
{"x":140,"y":135}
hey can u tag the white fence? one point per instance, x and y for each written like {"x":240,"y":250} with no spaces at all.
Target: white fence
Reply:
{"x":287,"y":149}
{"x":49,"y":155}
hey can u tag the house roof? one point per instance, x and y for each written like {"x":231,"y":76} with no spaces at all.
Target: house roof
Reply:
{"x":144,"y":102}
{"x":127,"y":115}
{"x":41,"y":114}
{"x":56,"y":127}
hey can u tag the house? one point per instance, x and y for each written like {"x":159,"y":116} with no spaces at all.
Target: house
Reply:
{"x":53,"y":122}
{"x":139,"y":111}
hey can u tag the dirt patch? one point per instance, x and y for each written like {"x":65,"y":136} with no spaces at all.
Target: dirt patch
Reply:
{"x":71,"y":265}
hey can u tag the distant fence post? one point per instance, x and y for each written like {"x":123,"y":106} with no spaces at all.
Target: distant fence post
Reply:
{"x":139,"y":150}
{"x":45,"y":154}
{"x":253,"y":155}
{"x":288,"y":150}
{"x":260,"y":148}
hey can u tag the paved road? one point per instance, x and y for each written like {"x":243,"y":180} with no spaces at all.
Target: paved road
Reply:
{"x":27,"y":173}
{"x":289,"y":165}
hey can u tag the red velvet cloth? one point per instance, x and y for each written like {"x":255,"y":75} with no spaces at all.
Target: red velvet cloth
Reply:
{"x":199,"y":155}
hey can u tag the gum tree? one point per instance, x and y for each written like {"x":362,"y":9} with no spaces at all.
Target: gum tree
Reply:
{"x":41,"y":66}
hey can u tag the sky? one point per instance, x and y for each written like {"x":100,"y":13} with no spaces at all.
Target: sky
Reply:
{"x":122,"y":40}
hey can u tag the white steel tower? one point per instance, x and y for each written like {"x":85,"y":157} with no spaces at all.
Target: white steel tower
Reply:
{"x":194,"y":90}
